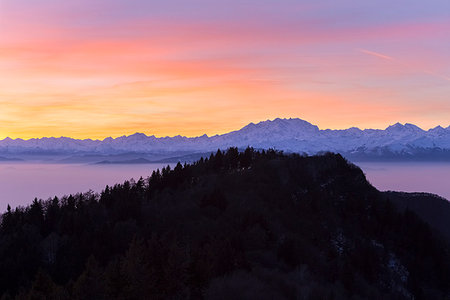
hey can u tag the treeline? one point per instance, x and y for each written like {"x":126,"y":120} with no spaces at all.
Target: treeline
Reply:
{"x":248,"y":225}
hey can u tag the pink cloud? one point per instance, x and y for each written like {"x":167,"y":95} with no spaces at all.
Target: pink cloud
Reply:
{"x":254,"y":69}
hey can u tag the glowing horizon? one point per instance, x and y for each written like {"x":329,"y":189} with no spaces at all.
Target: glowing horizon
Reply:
{"x":94,"y":69}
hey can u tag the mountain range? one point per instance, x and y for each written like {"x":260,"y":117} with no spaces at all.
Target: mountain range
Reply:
{"x":396,"y":142}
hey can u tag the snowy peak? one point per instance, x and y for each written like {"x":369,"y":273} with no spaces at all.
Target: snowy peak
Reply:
{"x":279,"y":129}
{"x":438,"y":130}
{"x":289,"y":124}
{"x":138,"y":135}
{"x":407,"y":128}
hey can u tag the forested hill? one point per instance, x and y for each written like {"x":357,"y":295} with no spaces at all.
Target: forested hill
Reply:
{"x":238,"y":225}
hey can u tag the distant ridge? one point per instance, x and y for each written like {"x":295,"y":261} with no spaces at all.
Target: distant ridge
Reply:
{"x":9,"y":159}
{"x":130,"y":161}
{"x":398,"y":141}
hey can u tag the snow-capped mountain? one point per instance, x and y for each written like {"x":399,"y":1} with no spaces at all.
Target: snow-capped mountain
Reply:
{"x":293,"y":135}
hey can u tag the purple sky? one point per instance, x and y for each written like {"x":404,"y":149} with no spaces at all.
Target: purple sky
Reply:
{"x":100,"y":68}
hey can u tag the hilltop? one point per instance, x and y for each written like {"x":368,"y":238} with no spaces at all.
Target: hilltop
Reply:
{"x":248,"y":225}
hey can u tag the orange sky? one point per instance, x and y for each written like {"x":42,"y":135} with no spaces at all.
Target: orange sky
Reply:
{"x":92,"y":69}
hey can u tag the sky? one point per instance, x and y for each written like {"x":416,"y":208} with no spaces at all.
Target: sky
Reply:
{"x":99,"y":68}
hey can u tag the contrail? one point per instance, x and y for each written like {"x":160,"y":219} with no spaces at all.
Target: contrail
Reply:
{"x":376,"y":54}
{"x":390,"y":58}
{"x":437,"y":75}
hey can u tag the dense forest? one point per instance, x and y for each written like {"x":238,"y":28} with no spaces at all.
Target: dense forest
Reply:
{"x":236,"y":225}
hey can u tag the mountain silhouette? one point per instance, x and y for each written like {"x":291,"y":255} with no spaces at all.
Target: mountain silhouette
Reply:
{"x":237,"y":224}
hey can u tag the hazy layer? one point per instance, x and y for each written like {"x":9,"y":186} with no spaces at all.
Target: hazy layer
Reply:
{"x":429,"y":177}
{"x":21,"y":182}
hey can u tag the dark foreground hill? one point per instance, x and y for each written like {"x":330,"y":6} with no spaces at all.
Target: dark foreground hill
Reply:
{"x":249,"y":225}
{"x":433,"y":209}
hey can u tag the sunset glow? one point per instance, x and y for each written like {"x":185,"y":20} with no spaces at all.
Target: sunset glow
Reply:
{"x":92,"y":69}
